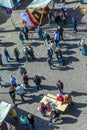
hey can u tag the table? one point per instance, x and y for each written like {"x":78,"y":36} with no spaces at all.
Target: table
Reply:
{"x":54,"y":103}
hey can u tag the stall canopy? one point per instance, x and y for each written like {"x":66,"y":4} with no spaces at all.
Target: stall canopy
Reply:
{"x":4,"y":109}
{"x":9,"y":3}
{"x":37,"y":11}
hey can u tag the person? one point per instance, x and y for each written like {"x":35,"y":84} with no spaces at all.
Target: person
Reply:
{"x":56,"y":37}
{"x":12,"y":94}
{"x":60,"y":86}
{"x":49,"y":18}
{"x":63,"y":7}
{"x":26,"y":54}
{"x":16,"y":54}
{"x":61,"y":33}
{"x":21,"y":38}
{"x":74,"y":22}
{"x":31,"y":120}
{"x":22,"y":71}
{"x":20,"y":91}
{"x":46,"y":38}
{"x":63,"y":17}
{"x":55,"y":114}
{"x":50,"y":53}
{"x":12,"y":81}
{"x":83,"y":50}
{"x":25,"y":80}
{"x":40,"y":33}
{"x":42,"y":109}
{"x":59,"y":56}
{"x":48,"y":107}
{"x":25,"y":31}
{"x":58,"y":53}
{"x":31,"y":52}
{"x":53,"y":46}
{"x":7,"y":55}
{"x":24,"y":121}
{"x":37,"y":81}
{"x":1,"y":62}
{"x":81,"y":42}
{"x":13,"y":113}
{"x":49,"y":60}
{"x":57,"y":20}
{"x":60,"y":97}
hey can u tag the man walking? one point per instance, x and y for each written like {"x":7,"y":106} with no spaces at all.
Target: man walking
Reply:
{"x":20,"y":91}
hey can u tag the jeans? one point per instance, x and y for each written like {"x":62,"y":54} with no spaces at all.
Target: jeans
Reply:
{"x":21,"y":95}
{"x":7,"y":58}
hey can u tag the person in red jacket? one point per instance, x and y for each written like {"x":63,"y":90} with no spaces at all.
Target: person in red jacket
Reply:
{"x":25,"y":80}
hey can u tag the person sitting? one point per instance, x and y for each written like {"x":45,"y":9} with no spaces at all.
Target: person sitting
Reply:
{"x":60,"y":97}
{"x":42,"y":109}
{"x":48,"y":107}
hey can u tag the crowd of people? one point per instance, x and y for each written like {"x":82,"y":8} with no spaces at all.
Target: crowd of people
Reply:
{"x":53,"y":48}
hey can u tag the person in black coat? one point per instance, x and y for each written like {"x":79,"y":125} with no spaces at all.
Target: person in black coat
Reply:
{"x":12,"y":94}
{"x":37,"y":81}
{"x":31,"y":120}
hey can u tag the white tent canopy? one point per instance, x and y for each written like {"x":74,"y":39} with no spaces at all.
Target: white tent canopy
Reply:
{"x":39,"y":3}
{"x":8,"y":3}
{"x":4,"y":109}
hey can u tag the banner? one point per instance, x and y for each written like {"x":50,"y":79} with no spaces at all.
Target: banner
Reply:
{"x":26,"y":18}
{"x":10,"y":126}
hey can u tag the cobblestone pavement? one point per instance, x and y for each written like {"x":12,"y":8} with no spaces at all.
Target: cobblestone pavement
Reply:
{"x":73,"y":73}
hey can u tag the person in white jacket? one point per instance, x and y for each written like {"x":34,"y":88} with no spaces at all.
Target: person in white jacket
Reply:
{"x":20,"y":91}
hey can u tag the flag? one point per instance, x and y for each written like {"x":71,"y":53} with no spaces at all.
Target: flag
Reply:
{"x":26,"y":18}
{"x":10,"y":126}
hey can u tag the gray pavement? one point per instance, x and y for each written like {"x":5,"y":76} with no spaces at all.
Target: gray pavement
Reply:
{"x":73,"y":74}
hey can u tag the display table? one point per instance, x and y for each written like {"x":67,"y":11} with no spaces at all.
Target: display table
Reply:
{"x":54,"y":103}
